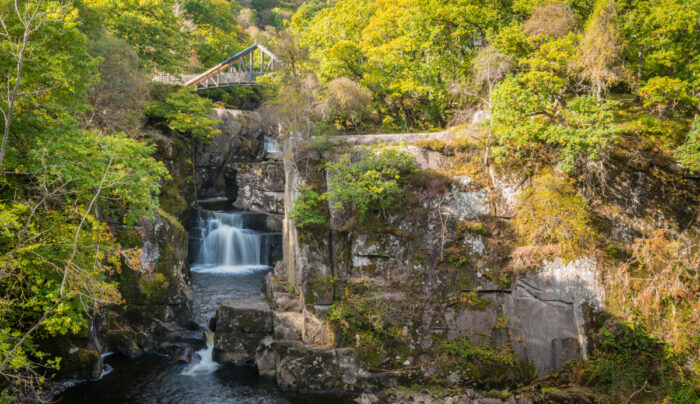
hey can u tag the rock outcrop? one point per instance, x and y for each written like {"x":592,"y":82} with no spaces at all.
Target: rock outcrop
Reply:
{"x":234,"y":170}
{"x":433,"y":273}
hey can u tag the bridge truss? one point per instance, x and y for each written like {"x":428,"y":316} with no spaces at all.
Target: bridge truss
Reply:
{"x":242,"y":69}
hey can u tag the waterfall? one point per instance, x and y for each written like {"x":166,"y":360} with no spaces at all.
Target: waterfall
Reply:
{"x":206,"y":363}
{"x":225,"y":246}
{"x":272,"y":145}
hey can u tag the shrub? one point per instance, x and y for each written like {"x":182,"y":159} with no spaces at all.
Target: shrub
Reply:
{"x":630,"y":363}
{"x":372,"y":183}
{"x":688,"y":155}
{"x":347,"y":103}
{"x":667,"y":96}
{"x":658,"y":286}
{"x":308,"y":209}
{"x":550,"y":212}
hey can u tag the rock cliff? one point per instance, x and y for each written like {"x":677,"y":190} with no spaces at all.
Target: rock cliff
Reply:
{"x":427,"y":277}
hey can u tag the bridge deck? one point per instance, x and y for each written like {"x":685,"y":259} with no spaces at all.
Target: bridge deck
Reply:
{"x":242,"y":69}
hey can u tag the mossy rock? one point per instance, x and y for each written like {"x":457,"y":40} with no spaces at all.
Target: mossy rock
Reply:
{"x":123,"y":341}
{"x":81,"y":363}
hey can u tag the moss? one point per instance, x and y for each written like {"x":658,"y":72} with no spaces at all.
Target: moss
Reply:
{"x":361,"y":319}
{"x":152,"y":285}
{"x":435,"y":145}
{"x":81,"y":363}
{"x":128,"y":237}
{"x":472,"y":227}
{"x":472,"y":301}
{"x":484,"y":364}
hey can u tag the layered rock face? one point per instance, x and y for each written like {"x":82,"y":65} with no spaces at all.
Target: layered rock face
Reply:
{"x":427,"y":277}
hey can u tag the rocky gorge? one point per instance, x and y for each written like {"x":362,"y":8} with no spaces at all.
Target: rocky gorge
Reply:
{"x":428,"y":294}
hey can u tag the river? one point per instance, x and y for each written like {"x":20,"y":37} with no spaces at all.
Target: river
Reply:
{"x":231,"y":262}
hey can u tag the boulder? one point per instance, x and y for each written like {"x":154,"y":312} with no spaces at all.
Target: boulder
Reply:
{"x":81,"y":363}
{"x":241,"y":140}
{"x":241,"y":324}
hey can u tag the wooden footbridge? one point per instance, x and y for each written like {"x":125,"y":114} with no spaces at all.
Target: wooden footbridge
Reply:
{"x":241,"y":69}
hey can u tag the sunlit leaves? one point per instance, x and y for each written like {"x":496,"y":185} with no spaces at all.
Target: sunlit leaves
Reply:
{"x":186,"y":112}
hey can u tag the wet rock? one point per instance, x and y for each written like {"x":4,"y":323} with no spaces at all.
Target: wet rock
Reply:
{"x":190,"y":356}
{"x":171,"y":332}
{"x":123,"y":341}
{"x":241,"y":324}
{"x":81,"y":363}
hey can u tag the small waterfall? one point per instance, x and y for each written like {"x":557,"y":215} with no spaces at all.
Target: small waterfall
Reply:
{"x":206,"y":363}
{"x":226,"y":246}
{"x":272,"y":145}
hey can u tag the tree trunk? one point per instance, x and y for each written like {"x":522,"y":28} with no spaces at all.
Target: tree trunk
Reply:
{"x":640,"y":61}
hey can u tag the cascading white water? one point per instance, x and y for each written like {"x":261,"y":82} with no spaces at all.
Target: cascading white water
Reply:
{"x":272,"y":145}
{"x":227,"y":247}
{"x":206,"y":363}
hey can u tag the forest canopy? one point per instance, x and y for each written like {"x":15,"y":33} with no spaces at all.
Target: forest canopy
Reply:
{"x":569,"y":75}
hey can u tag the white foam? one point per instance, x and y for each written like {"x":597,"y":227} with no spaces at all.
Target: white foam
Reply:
{"x":228,"y":269}
{"x":206,"y":364}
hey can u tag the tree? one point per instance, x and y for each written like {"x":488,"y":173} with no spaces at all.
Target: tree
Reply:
{"x":688,"y":154}
{"x":19,"y":28}
{"x":186,"y":112}
{"x":59,"y":254}
{"x":151,"y":27}
{"x":601,"y":49}
{"x":118,"y":100}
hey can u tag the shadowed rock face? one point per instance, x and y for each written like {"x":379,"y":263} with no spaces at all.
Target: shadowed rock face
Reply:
{"x":232,"y":170}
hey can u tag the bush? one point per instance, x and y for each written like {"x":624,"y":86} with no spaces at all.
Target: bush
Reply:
{"x":658,"y":287}
{"x":688,"y":155}
{"x":667,"y":96}
{"x":371,"y":184}
{"x":550,"y":212}
{"x":347,"y":104}
{"x":308,"y":209}
{"x":630,"y":363}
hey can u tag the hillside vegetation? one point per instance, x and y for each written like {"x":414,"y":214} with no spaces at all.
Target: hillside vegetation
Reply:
{"x":589,"y":101}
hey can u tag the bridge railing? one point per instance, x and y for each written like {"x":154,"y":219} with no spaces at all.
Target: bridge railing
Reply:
{"x":242,"y":69}
{"x":227,"y":79}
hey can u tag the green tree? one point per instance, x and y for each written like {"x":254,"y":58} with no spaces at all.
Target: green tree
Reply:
{"x":186,"y":112}
{"x":151,"y":27}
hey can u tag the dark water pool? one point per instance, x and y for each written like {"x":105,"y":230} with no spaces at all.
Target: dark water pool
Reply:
{"x":156,"y":379}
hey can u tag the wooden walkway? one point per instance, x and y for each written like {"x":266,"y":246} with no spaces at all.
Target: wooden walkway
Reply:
{"x":242,"y":69}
